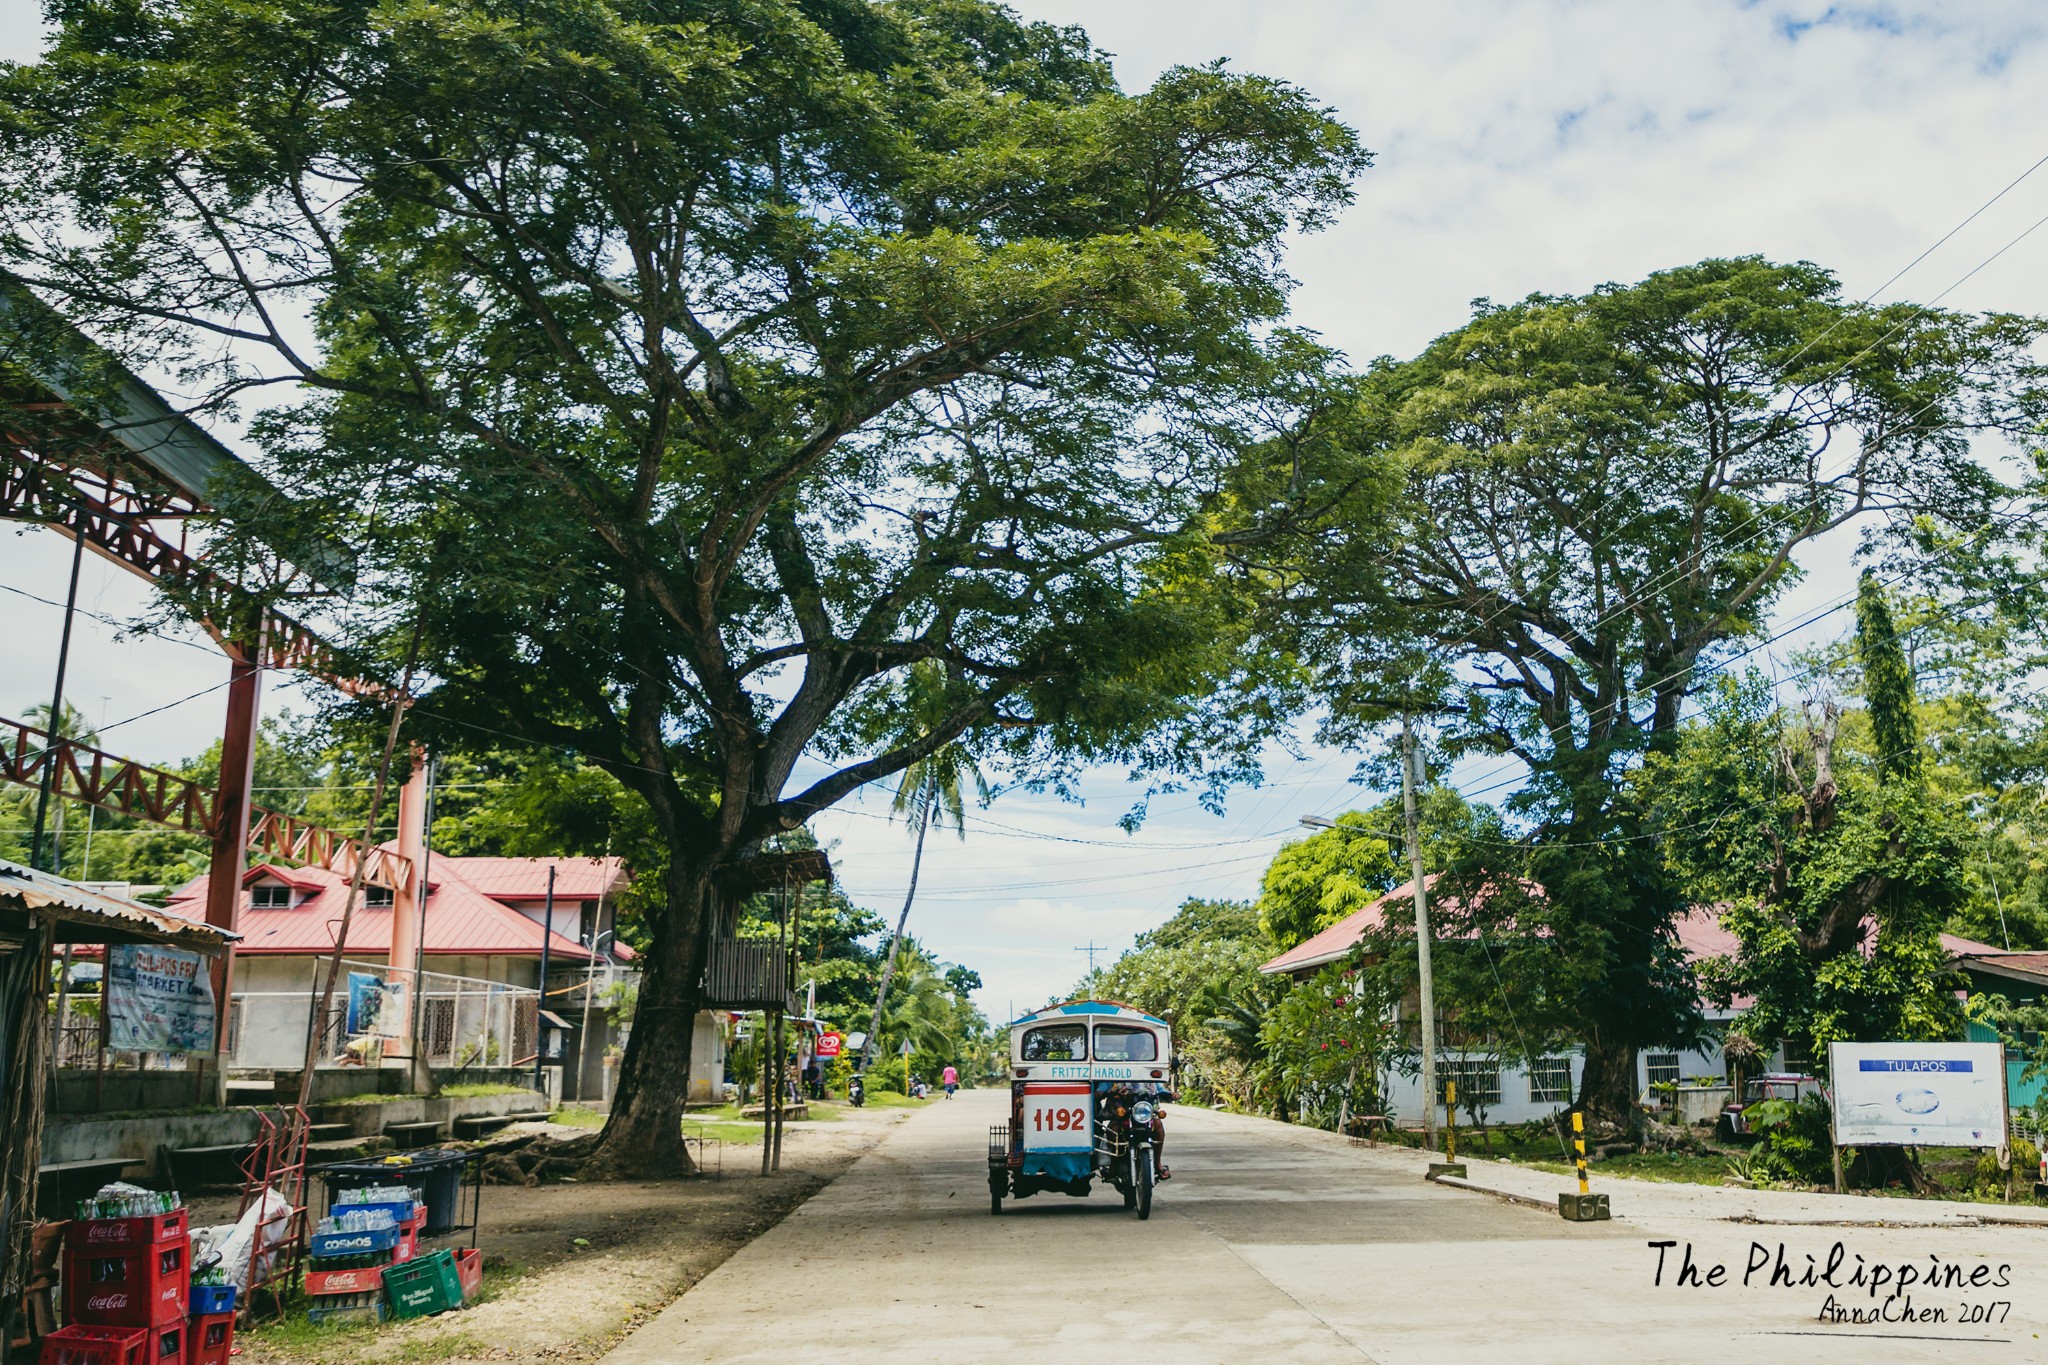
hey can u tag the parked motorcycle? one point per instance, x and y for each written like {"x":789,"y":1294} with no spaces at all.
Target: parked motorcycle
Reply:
{"x":856,"y":1091}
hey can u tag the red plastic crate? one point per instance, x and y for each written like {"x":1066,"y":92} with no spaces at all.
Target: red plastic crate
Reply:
{"x":359,"y":1280}
{"x":210,"y":1339}
{"x":86,"y":1345}
{"x":148,"y":1289}
{"x":166,"y":1344}
{"x":469,"y":1269}
{"x":123,"y":1236}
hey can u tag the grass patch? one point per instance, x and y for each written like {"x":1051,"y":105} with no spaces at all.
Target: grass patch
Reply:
{"x":890,"y":1099}
{"x":577,"y":1118}
{"x":470,"y":1090}
{"x":1676,"y":1168}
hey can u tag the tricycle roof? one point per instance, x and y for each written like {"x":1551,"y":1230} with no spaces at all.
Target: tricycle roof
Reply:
{"x":1106,"y":1009}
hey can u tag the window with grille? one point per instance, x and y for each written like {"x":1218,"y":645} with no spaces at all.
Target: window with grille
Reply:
{"x":1477,"y":1078}
{"x":1663,"y":1067}
{"x":1798,"y":1057}
{"x":1550,"y":1080}
{"x":270,"y":896}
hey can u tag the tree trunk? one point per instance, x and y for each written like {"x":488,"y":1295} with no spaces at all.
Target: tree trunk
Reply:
{"x":644,"y":1134}
{"x":924,"y":823}
{"x":1607,"y":1084}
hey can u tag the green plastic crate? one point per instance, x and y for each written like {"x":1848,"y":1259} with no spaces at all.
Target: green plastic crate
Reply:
{"x":426,"y":1284}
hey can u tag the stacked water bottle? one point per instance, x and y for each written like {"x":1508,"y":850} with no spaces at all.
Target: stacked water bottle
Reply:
{"x":367,"y":1231}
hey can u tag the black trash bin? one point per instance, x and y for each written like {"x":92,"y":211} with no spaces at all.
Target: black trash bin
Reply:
{"x":436,"y":1174}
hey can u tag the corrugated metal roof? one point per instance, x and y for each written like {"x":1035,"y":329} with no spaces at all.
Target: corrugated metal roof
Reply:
{"x":459,"y":918}
{"x":108,"y":918}
{"x":527,"y":878}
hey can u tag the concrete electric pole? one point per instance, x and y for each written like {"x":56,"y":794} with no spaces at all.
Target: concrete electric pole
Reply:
{"x":1427,"y":984}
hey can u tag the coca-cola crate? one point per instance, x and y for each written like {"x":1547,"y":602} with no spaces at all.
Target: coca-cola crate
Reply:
{"x":362,"y":1279}
{"x":469,"y":1270}
{"x":146,"y":1289}
{"x":167,"y":1344}
{"x":210,"y":1339}
{"x":123,"y":1235}
{"x":83,"y":1344}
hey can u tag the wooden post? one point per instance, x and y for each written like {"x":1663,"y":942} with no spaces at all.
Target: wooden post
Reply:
{"x":767,"y":1086}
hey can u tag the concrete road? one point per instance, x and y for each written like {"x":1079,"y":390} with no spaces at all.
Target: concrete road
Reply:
{"x":1272,"y":1244}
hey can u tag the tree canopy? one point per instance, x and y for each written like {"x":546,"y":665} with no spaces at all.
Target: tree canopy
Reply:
{"x":684,"y":371}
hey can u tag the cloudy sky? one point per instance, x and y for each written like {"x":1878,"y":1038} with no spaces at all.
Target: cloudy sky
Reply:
{"x":1521,"y":147}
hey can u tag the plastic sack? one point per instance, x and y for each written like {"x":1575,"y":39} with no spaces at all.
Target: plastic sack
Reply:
{"x":262,"y":1229}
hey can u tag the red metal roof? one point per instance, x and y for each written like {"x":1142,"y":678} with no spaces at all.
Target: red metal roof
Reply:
{"x":523,"y":879}
{"x":459,"y":917}
{"x":1341,"y":937}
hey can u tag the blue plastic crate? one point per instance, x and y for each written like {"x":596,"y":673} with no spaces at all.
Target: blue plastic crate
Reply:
{"x":211,"y":1298}
{"x":327,"y":1244}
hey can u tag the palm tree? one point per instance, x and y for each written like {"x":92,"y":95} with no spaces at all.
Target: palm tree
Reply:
{"x":931,"y":786}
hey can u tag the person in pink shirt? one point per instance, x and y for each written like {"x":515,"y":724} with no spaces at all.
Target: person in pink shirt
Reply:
{"x":949,"y":1078}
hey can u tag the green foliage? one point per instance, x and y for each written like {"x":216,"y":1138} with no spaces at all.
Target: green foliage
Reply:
{"x":1797,"y":1143}
{"x":1888,"y":694}
{"x":1603,"y":494}
{"x":1838,"y":870}
{"x":1326,"y":1039}
{"x":1314,"y":882}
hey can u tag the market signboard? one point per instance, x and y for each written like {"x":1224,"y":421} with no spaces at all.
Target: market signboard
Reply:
{"x":1918,"y":1094}
{"x":158,"y":1000}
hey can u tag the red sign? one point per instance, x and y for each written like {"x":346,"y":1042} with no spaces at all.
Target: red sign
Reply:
{"x":829,"y":1045}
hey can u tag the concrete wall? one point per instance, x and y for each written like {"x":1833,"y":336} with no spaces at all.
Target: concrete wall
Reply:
{"x":369,"y":1119}
{"x":89,"y":1092}
{"x":88,"y":1139}
{"x":1403,"y":1095}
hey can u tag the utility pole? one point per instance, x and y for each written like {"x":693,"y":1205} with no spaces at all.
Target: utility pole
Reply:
{"x":1092,"y":948}
{"x":540,"y":1005}
{"x":1428,"y":985}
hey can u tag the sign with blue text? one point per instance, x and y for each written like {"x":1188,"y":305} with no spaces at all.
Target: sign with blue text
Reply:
{"x":158,"y":1000}
{"x":1918,"y":1094}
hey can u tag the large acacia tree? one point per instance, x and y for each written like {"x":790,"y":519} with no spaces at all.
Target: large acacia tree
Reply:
{"x":1603,"y":498}
{"x":687,"y":370}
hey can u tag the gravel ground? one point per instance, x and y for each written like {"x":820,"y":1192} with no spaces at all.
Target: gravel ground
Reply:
{"x":572,"y":1268}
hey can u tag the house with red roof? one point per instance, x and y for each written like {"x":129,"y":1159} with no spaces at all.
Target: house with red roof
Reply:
{"x":1519,"y":1088}
{"x":484,"y":924}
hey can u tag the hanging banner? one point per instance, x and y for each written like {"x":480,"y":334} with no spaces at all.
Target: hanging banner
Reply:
{"x":158,"y":1000}
{"x":1918,"y":1094}
{"x":375,"y":1005}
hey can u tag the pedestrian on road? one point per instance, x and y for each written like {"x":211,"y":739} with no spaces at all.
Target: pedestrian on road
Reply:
{"x":949,"y":1078}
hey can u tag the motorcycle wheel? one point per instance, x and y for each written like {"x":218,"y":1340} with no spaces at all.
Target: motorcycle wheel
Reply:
{"x":1144,"y":1191}
{"x":995,"y":1197}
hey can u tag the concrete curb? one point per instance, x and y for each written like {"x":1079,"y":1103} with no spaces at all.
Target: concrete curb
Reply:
{"x":1506,"y":1196}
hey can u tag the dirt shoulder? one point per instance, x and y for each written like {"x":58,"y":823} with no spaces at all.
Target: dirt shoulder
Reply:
{"x":572,"y":1268}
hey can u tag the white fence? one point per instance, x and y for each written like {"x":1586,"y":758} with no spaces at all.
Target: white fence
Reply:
{"x":463,"y":1021}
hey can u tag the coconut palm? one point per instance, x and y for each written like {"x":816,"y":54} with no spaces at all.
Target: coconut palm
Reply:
{"x":931,"y":787}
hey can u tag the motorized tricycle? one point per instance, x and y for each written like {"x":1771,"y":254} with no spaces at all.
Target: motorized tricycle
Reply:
{"x":1089,"y":1079}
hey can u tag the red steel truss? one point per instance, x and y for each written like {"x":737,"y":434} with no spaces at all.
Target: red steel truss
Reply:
{"x":115,"y":518}
{"x":124,"y":787}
